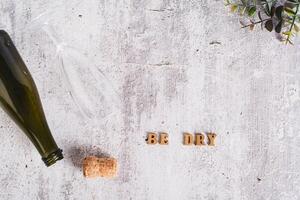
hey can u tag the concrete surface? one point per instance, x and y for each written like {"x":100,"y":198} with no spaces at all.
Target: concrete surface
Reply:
{"x":109,"y":71}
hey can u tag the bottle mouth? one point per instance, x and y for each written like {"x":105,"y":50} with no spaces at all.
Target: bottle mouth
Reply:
{"x":53,"y":157}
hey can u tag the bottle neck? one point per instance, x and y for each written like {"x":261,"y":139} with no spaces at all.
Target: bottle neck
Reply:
{"x":53,"y":157}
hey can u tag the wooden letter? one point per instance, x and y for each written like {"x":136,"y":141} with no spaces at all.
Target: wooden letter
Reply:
{"x":152,"y":138}
{"x":199,"y":139}
{"x":211,"y":139}
{"x":187,"y":139}
{"x":163,"y":139}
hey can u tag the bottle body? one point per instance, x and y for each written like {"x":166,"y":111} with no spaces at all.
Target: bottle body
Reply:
{"x":19,"y":98}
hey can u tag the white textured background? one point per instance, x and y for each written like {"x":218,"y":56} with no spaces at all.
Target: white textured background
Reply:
{"x":109,"y":71}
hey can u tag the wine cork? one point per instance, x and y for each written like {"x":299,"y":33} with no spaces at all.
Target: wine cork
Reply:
{"x":99,"y":167}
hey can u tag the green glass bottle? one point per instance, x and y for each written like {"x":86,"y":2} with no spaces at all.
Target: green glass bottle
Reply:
{"x":19,"y":98}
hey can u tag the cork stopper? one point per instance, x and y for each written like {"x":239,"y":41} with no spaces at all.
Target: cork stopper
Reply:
{"x":99,"y":167}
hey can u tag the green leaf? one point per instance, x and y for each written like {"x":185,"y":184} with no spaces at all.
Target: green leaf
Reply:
{"x":289,"y":41}
{"x":295,"y":2}
{"x":252,"y":11}
{"x":296,"y":27}
{"x":269,"y":25}
{"x":271,"y":5}
{"x":242,"y":11}
{"x":278,"y":12}
{"x":227,"y":2}
{"x":289,"y":11}
{"x":278,"y":27}
{"x":267,"y":9}
{"x":288,"y":33}
{"x":267,"y":6}
{"x":234,"y":7}
{"x":272,"y":11}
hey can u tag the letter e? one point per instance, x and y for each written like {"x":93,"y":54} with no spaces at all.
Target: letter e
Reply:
{"x":163,"y":139}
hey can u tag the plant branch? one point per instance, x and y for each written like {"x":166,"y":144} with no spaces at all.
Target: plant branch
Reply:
{"x":293,"y":24}
{"x":261,"y":21}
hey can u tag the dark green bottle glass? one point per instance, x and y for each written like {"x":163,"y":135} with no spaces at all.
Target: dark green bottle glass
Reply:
{"x":19,"y":98}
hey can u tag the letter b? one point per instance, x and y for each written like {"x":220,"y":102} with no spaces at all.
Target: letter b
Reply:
{"x":152,"y":138}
